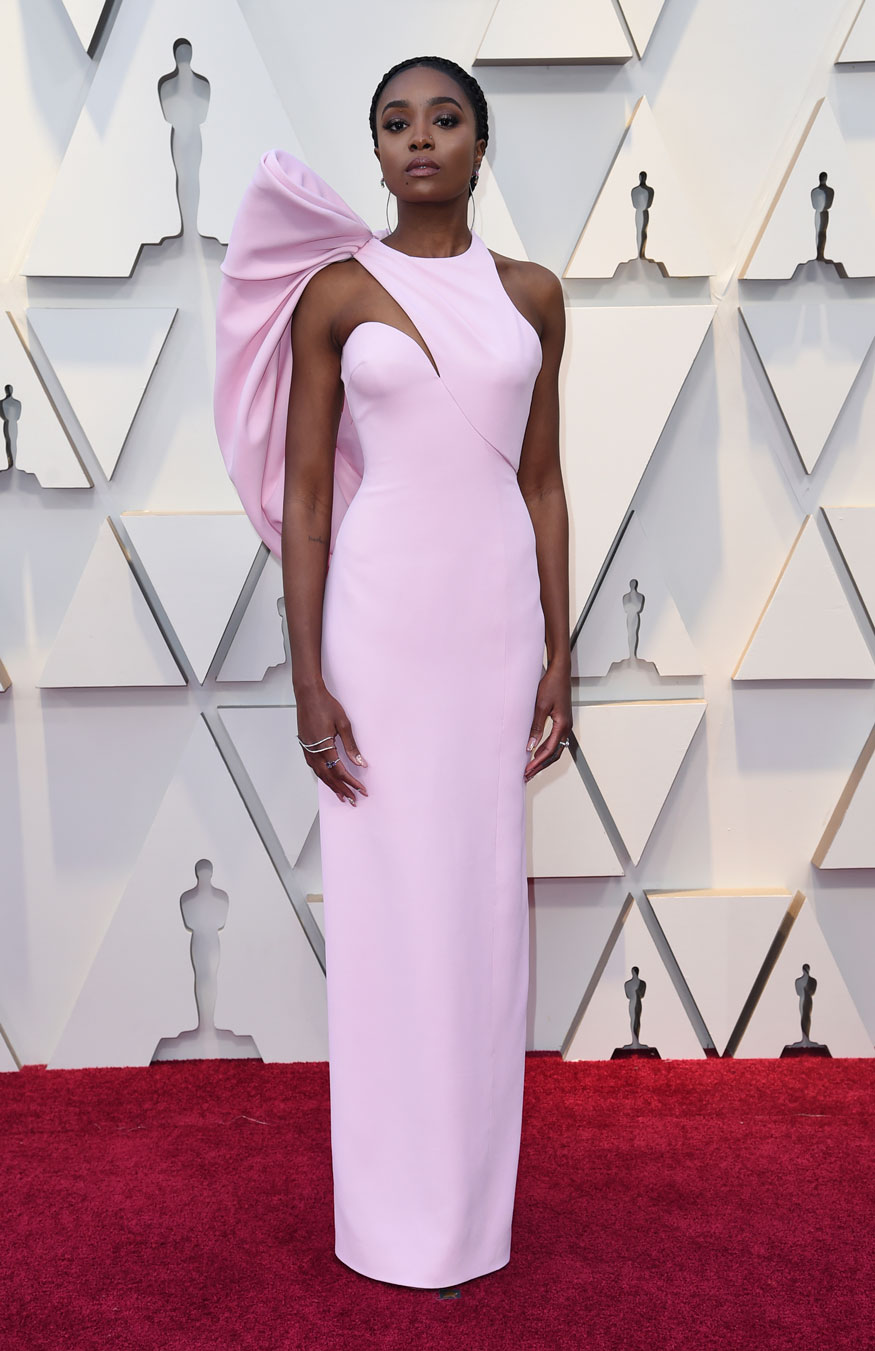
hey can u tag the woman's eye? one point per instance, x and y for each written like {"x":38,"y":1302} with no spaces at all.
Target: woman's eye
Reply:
{"x":442,"y":120}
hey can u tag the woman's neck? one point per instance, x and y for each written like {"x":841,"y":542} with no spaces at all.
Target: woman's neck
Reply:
{"x":435,"y":230}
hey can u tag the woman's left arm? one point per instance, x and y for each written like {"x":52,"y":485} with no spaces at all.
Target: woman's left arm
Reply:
{"x":540,"y":480}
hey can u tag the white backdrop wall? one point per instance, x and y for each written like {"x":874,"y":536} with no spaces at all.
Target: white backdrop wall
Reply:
{"x":681,"y":836}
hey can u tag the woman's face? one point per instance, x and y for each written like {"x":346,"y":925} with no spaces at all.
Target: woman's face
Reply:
{"x":426,"y":136}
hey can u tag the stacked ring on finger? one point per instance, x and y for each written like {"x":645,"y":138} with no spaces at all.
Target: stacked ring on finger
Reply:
{"x":329,"y":764}
{"x":324,"y":744}
{"x":320,"y":745}
{"x":564,"y":743}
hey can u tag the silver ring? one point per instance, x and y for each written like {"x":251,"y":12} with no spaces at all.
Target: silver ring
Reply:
{"x":564,"y":743}
{"x":329,"y":764}
{"x":319,"y":745}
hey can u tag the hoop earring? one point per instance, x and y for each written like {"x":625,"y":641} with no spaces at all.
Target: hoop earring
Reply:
{"x":388,"y":226}
{"x":474,"y":213}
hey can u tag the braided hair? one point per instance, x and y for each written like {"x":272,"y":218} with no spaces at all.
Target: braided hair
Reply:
{"x":472,"y":90}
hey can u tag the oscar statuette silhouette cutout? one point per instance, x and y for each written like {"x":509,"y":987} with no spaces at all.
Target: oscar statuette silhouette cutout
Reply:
{"x":10,"y":412}
{"x":822,"y":198}
{"x":633,"y":604}
{"x":204,"y":913}
{"x":805,"y":988}
{"x":642,"y":199}
{"x":184,"y":95}
{"x":635,"y":989}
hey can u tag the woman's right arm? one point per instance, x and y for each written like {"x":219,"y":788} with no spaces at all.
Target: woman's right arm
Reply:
{"x":315,"y":405}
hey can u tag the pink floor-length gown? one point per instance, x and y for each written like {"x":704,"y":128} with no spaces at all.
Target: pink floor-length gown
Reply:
{"x":433,"y":640}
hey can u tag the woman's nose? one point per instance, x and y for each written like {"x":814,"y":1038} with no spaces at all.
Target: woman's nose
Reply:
{"x":419,"y":140}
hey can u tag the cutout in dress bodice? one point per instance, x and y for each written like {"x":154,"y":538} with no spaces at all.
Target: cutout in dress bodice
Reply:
{"x":415,"y":337}
{"x":378,"y":323}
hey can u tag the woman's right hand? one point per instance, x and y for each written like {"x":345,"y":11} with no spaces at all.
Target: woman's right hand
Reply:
{"x":321,"y":715}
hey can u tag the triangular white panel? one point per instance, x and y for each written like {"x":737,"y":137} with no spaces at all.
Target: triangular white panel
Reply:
{"x":789,"y":234}
{"x":42,"y":446}
{"x":266,"y":741}
{"x":720,"y":941}
{"x":553,"y":32}
{"x":564,"y":835}
{"x":104,"y":358}
{"x":854,"y":532}
{"x":197,"y":563}
{"x":108,"y":635}
{"x":635,"y":751}
{"x":849,"y":838}
{"x":610,"y":235}
{"x":806,"y":630}
{"x":622,"y":370}
{"x":85,"y":15}
{"x":835,"y":1019}
{"x":493,"y":221}
{"x":812,"y":353}
{"x":859,"y":45}
{"x":259,"y":643}
{"x":641,"y":16}
{"x":116,"y":187}
{"x":605,"y":637}
{"x":140,"y":987}
{"x":606,"y":1022}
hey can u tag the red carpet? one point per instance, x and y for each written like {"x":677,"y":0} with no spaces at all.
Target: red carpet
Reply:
{"x":660,"y":1206}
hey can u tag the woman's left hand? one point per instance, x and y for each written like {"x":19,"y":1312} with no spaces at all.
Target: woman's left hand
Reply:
{"x":553,"y":701}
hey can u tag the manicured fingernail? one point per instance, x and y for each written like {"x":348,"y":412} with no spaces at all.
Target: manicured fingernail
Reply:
{"x":533,"y":741}
{"x":360,"y":761}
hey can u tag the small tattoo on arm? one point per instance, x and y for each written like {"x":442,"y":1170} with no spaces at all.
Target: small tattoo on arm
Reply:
{"x":317,"y":539}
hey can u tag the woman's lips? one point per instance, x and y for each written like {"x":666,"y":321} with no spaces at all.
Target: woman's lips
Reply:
{"x":422,"y":169}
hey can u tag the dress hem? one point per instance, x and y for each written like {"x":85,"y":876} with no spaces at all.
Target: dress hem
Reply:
{"x":422,"y":1284}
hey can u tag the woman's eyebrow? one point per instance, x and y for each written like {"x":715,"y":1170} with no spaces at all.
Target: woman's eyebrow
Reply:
{"x":405,"y":103}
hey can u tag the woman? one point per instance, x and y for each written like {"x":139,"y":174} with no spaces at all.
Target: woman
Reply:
{"x":388,"y":409}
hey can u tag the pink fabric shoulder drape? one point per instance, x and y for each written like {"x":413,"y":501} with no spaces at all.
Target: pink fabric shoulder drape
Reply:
{"x":289,"y":224}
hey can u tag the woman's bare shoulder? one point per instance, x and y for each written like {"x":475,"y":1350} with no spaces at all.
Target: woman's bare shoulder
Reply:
{"x":533,"y":286}
{"x":330,"y":288}
{"x":531,"y":274}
